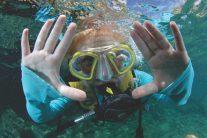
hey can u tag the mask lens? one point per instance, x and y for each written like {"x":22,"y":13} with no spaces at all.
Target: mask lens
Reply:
{"x":83,"y":66}
{"x":121,"y":58}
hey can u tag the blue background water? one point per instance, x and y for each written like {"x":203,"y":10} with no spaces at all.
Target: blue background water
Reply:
{"x":161,"y":121}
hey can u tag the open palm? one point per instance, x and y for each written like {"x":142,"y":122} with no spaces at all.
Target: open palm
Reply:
{"x":165,"y":62}
{"x":46,"y":58}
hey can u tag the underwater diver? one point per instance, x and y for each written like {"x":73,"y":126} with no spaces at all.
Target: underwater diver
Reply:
{"x":103,"y":63}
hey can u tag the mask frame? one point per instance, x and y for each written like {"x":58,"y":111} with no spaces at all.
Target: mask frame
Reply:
{"x":96,"y":57}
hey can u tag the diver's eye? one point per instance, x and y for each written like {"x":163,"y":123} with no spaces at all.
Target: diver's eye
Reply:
{"x":83,"y":64}
{"x":121,"y":61}
{"x":86,"y":64}
{"x":121,"y":58}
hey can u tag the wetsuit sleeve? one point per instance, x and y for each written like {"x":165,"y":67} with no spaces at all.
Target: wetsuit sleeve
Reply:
{"x":43,"y":102}
{"x":177,"y":92}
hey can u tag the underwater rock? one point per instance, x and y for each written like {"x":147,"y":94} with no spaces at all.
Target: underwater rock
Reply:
{"x":12,"y":125}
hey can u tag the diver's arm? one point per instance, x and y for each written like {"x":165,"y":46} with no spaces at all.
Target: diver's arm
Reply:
{"x":44,"y":92}
{"x":43,"y":102}
{"x":167,"y":62}
{"x":177,"y":92}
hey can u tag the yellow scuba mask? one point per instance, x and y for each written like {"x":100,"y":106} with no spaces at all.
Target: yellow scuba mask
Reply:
{"x":107,"y":62}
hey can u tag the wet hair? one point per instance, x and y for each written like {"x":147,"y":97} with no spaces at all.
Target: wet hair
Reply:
{"x":95,"y":34}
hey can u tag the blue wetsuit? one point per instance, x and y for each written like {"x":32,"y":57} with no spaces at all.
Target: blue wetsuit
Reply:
{"x":44,"y":102}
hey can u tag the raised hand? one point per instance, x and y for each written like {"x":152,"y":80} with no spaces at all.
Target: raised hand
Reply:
{"x":46,"y":58}
{"x":167,"y":63}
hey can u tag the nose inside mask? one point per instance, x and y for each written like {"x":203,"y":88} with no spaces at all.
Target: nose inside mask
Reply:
{"x":104,"y":71}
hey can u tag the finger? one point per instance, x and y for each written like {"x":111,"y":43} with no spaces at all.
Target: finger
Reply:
{"x":25,"y":48}
{"x":72,"y":93}
{"x":42,"y":36}
{"x":178,"y":37}
{"x":54,"y":35}
{"x":146,"y":89}
{"x":146,"y":37}
{"x":62,"y":48}
{"x":161,"y":40}
{"x":142,"y":46}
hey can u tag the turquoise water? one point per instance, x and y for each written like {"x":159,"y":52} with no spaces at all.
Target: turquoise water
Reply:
{"x":161,"y":121}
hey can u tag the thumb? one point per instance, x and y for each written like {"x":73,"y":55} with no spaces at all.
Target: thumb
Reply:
{"x":146,"y":89}
{"x":72,"y":93}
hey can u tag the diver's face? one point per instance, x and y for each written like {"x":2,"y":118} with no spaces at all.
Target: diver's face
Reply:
{"x":98,"y":56}
{"x":104,"y":71}
{"x":102,"y":63}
